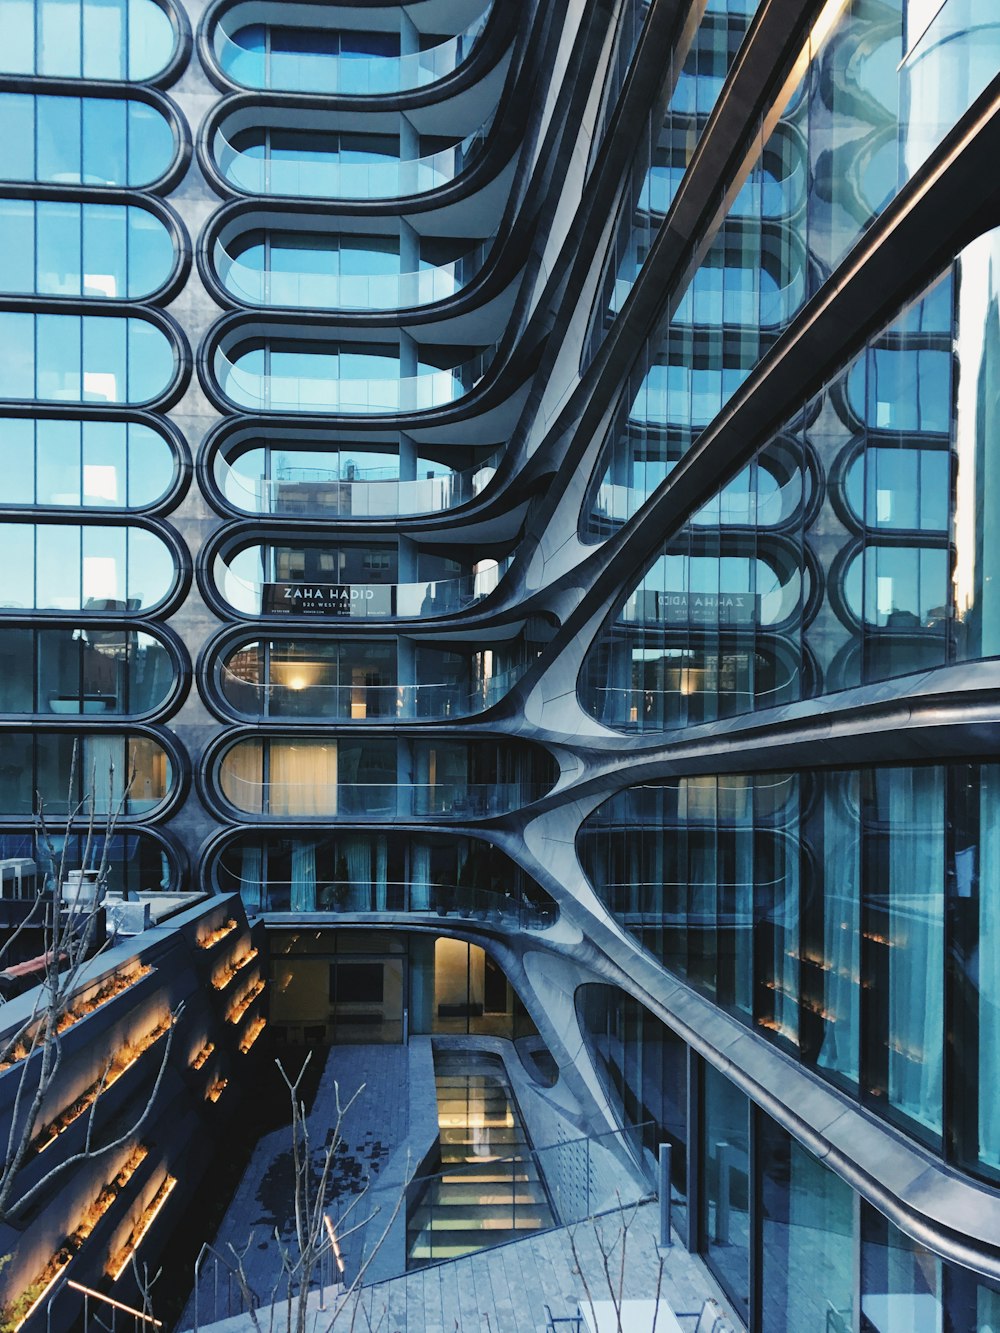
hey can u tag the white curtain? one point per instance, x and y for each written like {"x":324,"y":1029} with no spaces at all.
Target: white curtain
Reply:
{"x":840,"y":877}
{"x":99,"y":753}
{"x":303,"y":778}
{"x":989,"y":966}
{"x":357,"y":853}
{"x":251,"y":887}
{"x":303,"y":896}
{"x":420,"y":872}
{"x":916,"y":941}
{"x":381,"y":863}
{"x":241,"y":776}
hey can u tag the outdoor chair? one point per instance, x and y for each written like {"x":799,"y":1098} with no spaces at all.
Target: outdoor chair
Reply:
{"x":572,"y":1323}
{"x":710,"y":1318}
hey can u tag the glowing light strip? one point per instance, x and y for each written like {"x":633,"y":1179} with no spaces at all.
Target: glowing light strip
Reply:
{"x":252,"y":1033}
{"x":218,"y":934}
{"x":149,"y":1217}
{"x":109,"y":1300}
{"x":334,"y":1242}
{"x":244,"y":1003}
{"x":42,"y":1295}
{"x":87,"y":1098}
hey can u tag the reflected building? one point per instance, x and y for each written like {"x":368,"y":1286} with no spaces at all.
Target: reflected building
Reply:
{"x":516,"y":484}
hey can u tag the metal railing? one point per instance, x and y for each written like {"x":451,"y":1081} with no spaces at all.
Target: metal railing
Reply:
{"x":347,"y":291}
{"x":512,"y":909}
{"x":346,"y":74}
{"x":325,"y":175}
{"x":327,"y":391}
{"x":358,"y":702}
{"x":325,"y":492}
{"x":378,"y":800}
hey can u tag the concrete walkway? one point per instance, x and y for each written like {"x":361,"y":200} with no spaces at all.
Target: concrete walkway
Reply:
{"x":505,"y":1290}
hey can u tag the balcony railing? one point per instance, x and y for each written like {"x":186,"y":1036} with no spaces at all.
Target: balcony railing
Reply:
{"x":332,"y":601}
{"x":379,"y":800}
{"x":515,"y":910}
{"x":323,"y":492}
{"x":347,"y":291}
{"x":270,"y":392}
{"x":360,"y":702}
{"x":350,"y":75}
{"x":326,"y":175}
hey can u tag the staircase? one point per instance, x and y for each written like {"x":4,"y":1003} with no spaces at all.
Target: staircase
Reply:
{"x":489,"y":1190}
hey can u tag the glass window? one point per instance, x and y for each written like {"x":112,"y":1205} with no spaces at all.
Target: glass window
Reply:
{"x":806,"y":1222}
{"x":83,"y":358}
{"x":89,"y":141}
{"x":17,"y":254}
{"x":903,"y":815}
{"x":726,"y":1164}
{"x":65,"y":567}
{"x":95,"y":39}
{"x":900,"y":1279}
{"x":91,"y":463}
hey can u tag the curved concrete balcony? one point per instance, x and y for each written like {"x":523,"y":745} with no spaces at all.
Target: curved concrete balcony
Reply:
{"x":378,"y":801}
{"x":338,"y":601}
{"x":322,"y":172}
{"x":309,"y":290}
{"x":391,"y":902}
{"x":261,"y":391}
{"x":358,"y":703}
{"x":260,"y":62}
{"x":325,"y":493}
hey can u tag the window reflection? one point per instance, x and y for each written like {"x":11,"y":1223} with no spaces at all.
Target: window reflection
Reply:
{"x":343,"y":60}
{"x":136,"y":862}
{"x":83,"y":670}
{"x":834,"y":911}
{"x":92,"y":464}
{"x":304,"y":376}
{"x":58,"y":248}
{"x":90,"y":39}
{"x":370,"y":777}
{"x":102,"y":765}
{"x":341,"y":161}
{"x":346,"y":270}
{"x":68,"y":567}
{"x":357,"y":871}
{"x":82,"y":140}
{"x":83,"y":358}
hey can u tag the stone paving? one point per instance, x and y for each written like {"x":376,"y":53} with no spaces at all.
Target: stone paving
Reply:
{"x":505,"y":1290}
{"x":375,"y":1126}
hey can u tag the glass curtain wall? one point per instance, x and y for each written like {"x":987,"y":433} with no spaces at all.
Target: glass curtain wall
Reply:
{"x":780,"y":1230}
{"x":849,"y":136}
{"x":362,"y":871}
{"x":856,"y":546}
{"x":847,"y":915}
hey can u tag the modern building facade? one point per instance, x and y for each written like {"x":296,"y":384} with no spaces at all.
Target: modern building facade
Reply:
{"x":510,"y":490}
